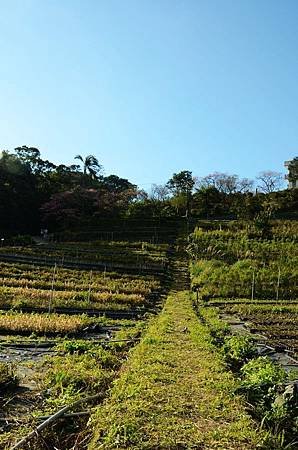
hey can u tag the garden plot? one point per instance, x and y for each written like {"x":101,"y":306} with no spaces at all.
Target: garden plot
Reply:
{"x":23,"y":286}
{"x":278,"y":323}
{"x":251,"y":276}
{"x":49,"y":371}
{"x":56,"y":335}
{"x":98,"y":255}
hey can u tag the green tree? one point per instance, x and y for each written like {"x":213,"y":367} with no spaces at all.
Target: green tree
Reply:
{"x":293,"y":171}
{"x":209,"y":202}
{"x":181,"y":186}
{"x":91,"y":167}
{"x":113,"y":183}
{"x":31,"y":157}
{"x":19,"y":201}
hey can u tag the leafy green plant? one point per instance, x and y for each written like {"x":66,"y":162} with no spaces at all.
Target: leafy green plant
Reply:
{"x":8,"y":377}
{"x":238,"y":350}
{"x":259,"y":379}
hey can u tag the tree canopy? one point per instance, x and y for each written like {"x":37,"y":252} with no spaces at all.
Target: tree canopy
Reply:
{"x":36,"y":193}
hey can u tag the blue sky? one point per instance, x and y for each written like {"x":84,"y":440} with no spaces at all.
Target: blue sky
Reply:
{"x":152,"y":87}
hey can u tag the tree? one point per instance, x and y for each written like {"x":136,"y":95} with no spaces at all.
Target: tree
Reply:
{"x":19,"y":200}
{"x":113,"y":183}
{"x":181,"y":185}
{"x":208,"y":202}
{"x":159,"y":192}
{"x":91,"y":167}
{"x":31,"y":157}
{"x":269,"y":181}
{"x":293,"y":171}
{"x":228,"y":184}
{"x":246,"y":205}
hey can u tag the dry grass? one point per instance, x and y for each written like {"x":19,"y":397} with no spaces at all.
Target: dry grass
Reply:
{"x":42,"y":323}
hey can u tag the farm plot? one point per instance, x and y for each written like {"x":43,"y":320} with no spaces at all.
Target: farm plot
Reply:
{"x":254,"y":278}
{"x":57,"y":342}
{"x":76,"y":370}
{"x":23,"y":286}
{"x":98,"y":254}
{"x":277,"y":322}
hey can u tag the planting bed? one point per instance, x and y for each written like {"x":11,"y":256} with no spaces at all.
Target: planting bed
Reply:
{"x":23,"y":285}
{"x":250,"y":275}
{"x":277,"y":322}
{"x":126,"y":256}
{"x":43,"y":304}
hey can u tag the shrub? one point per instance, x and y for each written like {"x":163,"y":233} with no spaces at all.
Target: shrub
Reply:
{"x":238,"y":350}
{"x":8,"y":378}
{"x":259,"y":379}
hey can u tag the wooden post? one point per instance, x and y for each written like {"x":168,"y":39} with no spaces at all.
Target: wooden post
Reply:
{"x":253,"y":286}
{"x":89,"y":291}
{"x":52,"y":288}
{"x":278,"y":284}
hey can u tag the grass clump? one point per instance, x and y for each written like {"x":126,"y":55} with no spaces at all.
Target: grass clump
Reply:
{"x":8,"y":377}
{"x":174,"y":392}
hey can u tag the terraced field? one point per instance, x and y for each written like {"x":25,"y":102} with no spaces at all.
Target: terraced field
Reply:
{"x":66,"y":324}
{"x":102,"y":345}
{"x":254,"y":278}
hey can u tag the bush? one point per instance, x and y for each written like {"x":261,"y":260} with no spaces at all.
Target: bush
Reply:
{"x":259,"y":379}
{"x":238,"y":350}
{"x":8,"y":378}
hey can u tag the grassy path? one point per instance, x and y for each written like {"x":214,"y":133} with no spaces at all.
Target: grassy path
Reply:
{"x":174,"y":392}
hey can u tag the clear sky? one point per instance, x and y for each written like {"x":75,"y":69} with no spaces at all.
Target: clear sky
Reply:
{"x":152,"y":87}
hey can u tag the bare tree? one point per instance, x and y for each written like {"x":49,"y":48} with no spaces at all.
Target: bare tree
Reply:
{"x":228,"y":184}
{"x":159,"y":192}
{"x":245,"y":185}
{"x":269,"y":181}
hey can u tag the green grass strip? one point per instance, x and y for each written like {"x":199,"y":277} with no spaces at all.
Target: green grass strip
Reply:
{"x":174,"y":392}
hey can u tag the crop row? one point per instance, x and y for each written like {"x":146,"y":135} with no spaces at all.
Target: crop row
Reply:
{"x":80,"y":370}
{"x":115,"y":287}
{"x":255,"y":279}
{"x":42,"y":323}
{"x":285,"y":230}
{"x":221,"y":245}
{"x":22,"y":297}
{"x":94,"y":254}
{"x":244,"y":278}
{"x":33,"y":272}
{"x":67,"y":279}
{"x":278,"y":323}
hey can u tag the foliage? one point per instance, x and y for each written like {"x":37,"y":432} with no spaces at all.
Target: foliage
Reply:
{"x":269,"y":181}
{"x":225,"y":183}
{"x":260,"y":375}
{"x":293,"y":170}
{"x":238,"y":350}
{"x":232,"y":263}
{"x":8,"y":377}
{"x":262,"y":223}
{"x":181,"y":185}
{"x":90,"y":165}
